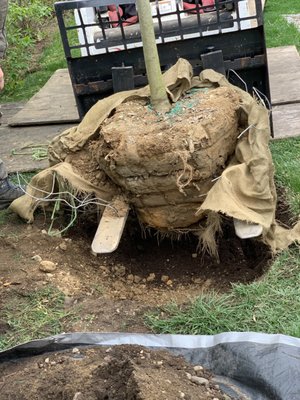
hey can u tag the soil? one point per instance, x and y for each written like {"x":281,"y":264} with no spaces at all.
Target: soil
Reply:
{"x":166,"y":172}
{"x":144,"y":272}
{"x":112,"y":293}
{"x":118,"y":373}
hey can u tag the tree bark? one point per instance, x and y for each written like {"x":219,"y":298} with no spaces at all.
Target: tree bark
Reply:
{"x":158,"y":94}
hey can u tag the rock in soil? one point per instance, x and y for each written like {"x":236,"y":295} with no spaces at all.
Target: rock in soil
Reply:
{"x":47,"y":266}
{"x":129,"y":372}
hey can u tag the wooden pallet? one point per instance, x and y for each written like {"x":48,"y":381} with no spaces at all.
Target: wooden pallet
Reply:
{"x":54,"y":103}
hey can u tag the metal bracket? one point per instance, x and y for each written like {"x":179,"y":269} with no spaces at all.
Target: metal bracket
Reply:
{"x":122,"y":78}
{"x":213,"y":60}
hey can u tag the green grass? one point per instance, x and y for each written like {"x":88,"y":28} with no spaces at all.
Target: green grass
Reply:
{"x":278,"y":31}
{"x":41,"y":313}
{"x":24,"y":88}
{"x":4,"y":217}
{"x":286,"y":159}
{"x":269,"y":305}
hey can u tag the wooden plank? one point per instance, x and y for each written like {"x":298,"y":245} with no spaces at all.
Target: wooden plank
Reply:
{"x":54,"y":103}
{"x":111,"y":227}
{"x":284,"y":74}
{"x":14,"y":138}
{"x":286,"y":120}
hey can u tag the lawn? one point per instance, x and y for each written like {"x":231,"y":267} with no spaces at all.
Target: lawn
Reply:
{"x":278,"y":31}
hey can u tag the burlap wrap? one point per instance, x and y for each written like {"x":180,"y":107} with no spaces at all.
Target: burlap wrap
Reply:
{"x":245,"y":190}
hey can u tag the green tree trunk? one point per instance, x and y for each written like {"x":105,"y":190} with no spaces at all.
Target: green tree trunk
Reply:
{"x":159,"y":98}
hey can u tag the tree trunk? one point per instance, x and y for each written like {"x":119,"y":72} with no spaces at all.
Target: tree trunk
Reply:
{"x":159,"y":98}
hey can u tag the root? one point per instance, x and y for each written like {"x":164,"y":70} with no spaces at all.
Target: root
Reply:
{"x":207,"y":236}
{"x":186,"y":169}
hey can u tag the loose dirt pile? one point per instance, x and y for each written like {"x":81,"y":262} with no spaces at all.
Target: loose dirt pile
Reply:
{"x":124,"y":372}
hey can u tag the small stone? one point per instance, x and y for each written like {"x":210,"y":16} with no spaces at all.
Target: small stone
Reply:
{"x":52,"y":363}
{"x":164,"y":278}
{"x":198,"y":368}
{"x":216,"y":398}
{"x":130,"y":278}
{"x":44,"y":232}
{"x":199,"y":381}
{"x":119,"y":270}
{"x":63,"y":246}
{"x":159,"y":363}
{"x":36,"y":258}
{"x":137,"y":279}
{"x":68,"y":301}
{"x":169,"y":282}
{"x":181,"y":395}
{"x":194,"y":255}
{"x":47,"y":360}
{"x":189,"y":376}
{"x":47,"y":266}
{"x":75,"y":350}
{"x":104,"y":269}
{"x":150,"y":277}
{"x":55,"y":232}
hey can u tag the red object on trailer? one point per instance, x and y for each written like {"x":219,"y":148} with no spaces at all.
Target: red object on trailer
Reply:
{"x":193,"y":8}
{"x":128,"y":15}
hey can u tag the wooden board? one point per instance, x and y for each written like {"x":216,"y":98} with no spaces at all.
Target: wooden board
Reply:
{"x":54,"y":103}
{"x":286,"y":120}
{"x":13,"y":139}
{"x":284,"y":74}
{"x":111,"y":227}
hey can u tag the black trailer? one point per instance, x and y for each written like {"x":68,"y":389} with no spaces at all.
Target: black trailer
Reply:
{"x":105,"y":55}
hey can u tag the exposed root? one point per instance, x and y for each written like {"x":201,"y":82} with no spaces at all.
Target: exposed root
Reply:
{"x":181,"y":181}
{"x":207,"y":236}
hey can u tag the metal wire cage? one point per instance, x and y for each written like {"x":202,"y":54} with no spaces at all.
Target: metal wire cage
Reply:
{"x":103,"y":45}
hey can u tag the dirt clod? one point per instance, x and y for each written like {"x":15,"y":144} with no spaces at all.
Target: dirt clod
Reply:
{"x":47,"y":266}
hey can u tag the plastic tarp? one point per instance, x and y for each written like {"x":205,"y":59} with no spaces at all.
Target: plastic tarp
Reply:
{"x":247,"y":366}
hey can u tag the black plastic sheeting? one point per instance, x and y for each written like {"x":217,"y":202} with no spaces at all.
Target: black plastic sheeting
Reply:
{"x":247,"y":366}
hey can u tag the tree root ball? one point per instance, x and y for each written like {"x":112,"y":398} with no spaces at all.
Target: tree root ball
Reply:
{"x":166,"y":163}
